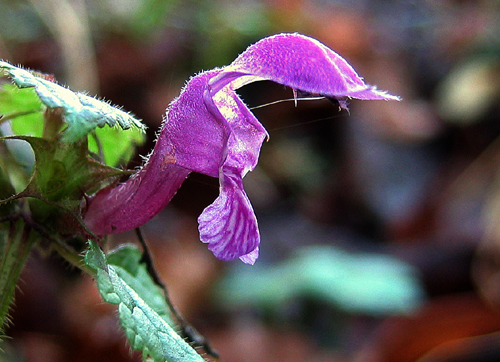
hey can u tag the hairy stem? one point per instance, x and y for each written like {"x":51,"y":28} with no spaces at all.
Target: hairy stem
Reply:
{"x":16,"y":240}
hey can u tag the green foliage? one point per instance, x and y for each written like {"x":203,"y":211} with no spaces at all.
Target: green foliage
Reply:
{"x":127,"y":262}
{"x":47,"y":195}
{"x":373,"y":284}
{"x":25,"y":111}
{"x":151,"y":15}
{"x":122,"y":280}
{"x":113,"y":145}
{"x":81,"y":112}
{"x":23,"y":108}
{"x":36,"y":108}
{"x":61,"y":176}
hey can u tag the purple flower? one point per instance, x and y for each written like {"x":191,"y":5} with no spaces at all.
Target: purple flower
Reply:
{"x":208,"y":129}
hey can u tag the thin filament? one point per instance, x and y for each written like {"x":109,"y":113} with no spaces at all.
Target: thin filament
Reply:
{"x":288,"y":100}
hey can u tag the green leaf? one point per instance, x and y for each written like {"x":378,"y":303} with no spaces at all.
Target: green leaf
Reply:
{"x":23,"y":108}
{"x":374,"y":284}
{"x":116,"y":146}
{"x":144,"y":327}
{"x":81,"y":112}
{"x":127,"y":262}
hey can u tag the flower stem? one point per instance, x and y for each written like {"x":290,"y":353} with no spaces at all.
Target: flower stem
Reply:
{"x":16,"y":241}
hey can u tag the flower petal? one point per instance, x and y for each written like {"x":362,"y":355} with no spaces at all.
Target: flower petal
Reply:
{"x":229,"y":225}
{"x":299,"y":62}
{"x":247,"y":133}
{"x":251,"y":257}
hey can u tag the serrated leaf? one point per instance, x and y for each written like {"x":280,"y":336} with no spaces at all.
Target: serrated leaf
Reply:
{"x":127,"y":262}
{"x":81,"y":112}
{"x":145,"y":329}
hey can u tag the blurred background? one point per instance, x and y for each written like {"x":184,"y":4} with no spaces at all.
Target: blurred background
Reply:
{"x":380,"y":236}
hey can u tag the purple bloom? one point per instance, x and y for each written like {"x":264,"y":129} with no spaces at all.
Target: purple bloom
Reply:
{"x":208,"y":129}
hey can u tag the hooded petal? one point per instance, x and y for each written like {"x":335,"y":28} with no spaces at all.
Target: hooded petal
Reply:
{"x":195,"y":128}
{"x":299,"y":62}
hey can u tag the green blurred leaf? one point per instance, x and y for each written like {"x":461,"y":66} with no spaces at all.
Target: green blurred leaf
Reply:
{"x":145,"y":328}
{"x":358,"y":283}
{"x":81,"y":112}
{"x":151,"y":15}
{"x":116,"y":146}
{"x":23,"y":108}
